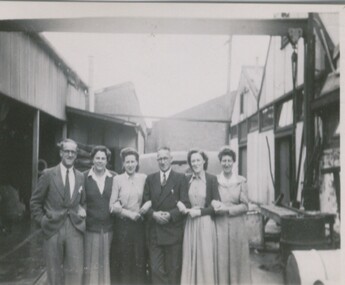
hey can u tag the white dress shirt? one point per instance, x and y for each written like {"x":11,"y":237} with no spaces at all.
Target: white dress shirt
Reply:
{"x":167,"y":173}
{"x":71,"y":177}
{"x":100,"y":180}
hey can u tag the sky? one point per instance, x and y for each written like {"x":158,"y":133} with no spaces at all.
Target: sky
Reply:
{"x":170,"y":73}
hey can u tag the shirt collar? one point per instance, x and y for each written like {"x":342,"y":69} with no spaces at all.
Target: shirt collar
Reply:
{"x":127,"y":176}
{"x":64,"y":168}
{"x":223,"y":180}
{"x":93,"y":174}
{"x":201,"y":176}
{"x":167,"y":173}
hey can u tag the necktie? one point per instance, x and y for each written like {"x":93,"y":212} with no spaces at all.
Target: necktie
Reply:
{"x":67,"y":187}
{"x":164,"y":182}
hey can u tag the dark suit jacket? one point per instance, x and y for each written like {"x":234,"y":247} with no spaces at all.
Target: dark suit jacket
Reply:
{"x":47,"y":202}
{"x":212,"y":193}
{"x":166,"y":200}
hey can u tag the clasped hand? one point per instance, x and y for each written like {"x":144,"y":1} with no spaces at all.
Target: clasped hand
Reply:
{"x":219,"y":207}
{"x":193,"y":213}
{"x":161,"y":217}
{"x":143,"y":210}
{"x":116,"y":208}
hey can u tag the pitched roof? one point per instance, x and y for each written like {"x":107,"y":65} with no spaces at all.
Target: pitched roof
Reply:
{"x":119,"y":99}
{"x":219,"y":108}
{"x":253,"y":76}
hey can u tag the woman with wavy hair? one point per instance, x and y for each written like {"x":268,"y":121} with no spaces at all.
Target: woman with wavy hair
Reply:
{"x":232,"y":241}
{"x":199,"y":264}
{"x":128,"y":261}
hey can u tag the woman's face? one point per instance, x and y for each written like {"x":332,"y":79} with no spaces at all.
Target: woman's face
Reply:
{"x":197,"y":163}
{"x":227,"y":163}
{"x":100,"y":161}
{"x":130,"y":164}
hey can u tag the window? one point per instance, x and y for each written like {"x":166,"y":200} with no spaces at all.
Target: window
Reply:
{"x":299,"y":106}
{"x":243,"y":100}
{"x":266,"y":118}
{"x":285,"y":114}
{"x":253,"y":123}
{"x":242,"y":169}
{"x":242,"y":104}
{"x":233,"y":132}
{"x":243,"y":131}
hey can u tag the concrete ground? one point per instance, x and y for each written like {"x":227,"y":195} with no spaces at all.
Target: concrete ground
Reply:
{"x":266,"y":265}
{"x":22,"y":262}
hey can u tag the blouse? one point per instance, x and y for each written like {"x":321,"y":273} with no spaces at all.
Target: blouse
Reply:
{"x":128,"y":190}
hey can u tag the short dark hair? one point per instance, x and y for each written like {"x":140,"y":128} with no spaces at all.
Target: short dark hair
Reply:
{"x":62,"y":143}
{"x":164,"y":148}
{"x":201,"y":152}
{"x":225,"y":150}
{"x":130,"y":151}
{"x":100,"y":148}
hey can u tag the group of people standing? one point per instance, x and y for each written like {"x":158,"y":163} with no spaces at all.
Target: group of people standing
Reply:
{"x":164,"y":228}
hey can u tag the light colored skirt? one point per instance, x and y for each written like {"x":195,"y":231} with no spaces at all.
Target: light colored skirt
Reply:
{"x":199,"y":265}
{"x":96,"y":258}
{"x":233,"y":250}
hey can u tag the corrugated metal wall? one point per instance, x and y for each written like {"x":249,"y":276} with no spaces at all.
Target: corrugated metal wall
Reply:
{"x":30,"y":75}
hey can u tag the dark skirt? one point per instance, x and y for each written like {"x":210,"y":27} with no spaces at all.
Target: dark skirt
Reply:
{"x":128,"y":259}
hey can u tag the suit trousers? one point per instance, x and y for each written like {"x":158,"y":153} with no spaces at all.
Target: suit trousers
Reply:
{"x":64,"y":254}
{"x":166,"y":262}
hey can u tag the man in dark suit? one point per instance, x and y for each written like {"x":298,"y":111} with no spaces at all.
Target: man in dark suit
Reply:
{"x":57,"y":206}
{"x":165,"y":222}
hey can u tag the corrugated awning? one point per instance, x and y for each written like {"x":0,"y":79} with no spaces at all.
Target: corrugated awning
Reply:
{"x":97,"y":116}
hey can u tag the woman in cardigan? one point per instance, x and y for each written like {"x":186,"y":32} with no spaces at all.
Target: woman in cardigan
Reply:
{"x":199,"y":242}
{"x":233,"y":248}
{"x":99,"y":231}
{"x":128,"y":261}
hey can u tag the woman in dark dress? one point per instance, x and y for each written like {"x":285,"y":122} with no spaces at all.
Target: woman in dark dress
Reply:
{"x":99,"y":230}
{"x":128,"y":258}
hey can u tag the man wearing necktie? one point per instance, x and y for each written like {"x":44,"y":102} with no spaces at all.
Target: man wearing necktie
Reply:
{"x":57,"y":205}
{"x":165,"y":222}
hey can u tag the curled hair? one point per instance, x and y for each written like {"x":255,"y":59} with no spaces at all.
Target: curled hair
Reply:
{"x":226,"y":151}
{"x":203,"y":155}
{"x":101,"y":148}
{"x":129,"y":151}
{"x":62,"y":143}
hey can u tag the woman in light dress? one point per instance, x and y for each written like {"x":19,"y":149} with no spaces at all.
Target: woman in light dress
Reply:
{"x":232,"y":242}
{"x":199,"y":264}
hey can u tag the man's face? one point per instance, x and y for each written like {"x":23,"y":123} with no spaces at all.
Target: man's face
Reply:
{"x":164,"y":159}
{"x":68,"y":154}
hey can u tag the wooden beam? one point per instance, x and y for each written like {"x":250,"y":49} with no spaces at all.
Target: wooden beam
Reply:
{"x":310,"y":201}
{"x":324,"y":101}
{"x":35,"y":148}
{"x":201,"y":26}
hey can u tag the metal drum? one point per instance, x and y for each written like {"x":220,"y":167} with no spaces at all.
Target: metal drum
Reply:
{"x":301,"y":233}
{"x":308,"y":267}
